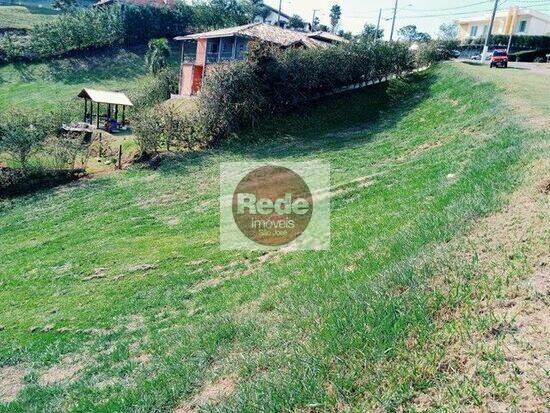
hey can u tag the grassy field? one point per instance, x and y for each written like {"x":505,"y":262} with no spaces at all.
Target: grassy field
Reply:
{"x":55,"y":84}
{"x":115,"y":296}
{"x":20,"y":17}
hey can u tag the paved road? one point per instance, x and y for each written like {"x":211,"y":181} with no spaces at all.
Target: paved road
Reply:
{"x":541,"y":68}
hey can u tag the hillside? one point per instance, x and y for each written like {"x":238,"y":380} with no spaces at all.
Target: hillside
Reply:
{"x":115,"y":295}
{"x":20,"y":17}
{"x":55,"y":83}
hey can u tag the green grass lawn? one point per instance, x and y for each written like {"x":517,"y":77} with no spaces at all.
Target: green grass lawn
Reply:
{"x":20,"y":17}
{"x":116,"y":297}
{"x":54,"y":84}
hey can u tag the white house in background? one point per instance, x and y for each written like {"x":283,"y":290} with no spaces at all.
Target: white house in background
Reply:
{"x":515,"y":20}
{"x":272,"y":18}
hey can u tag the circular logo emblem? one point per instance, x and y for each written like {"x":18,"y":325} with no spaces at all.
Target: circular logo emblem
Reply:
{"x":272,"y":205}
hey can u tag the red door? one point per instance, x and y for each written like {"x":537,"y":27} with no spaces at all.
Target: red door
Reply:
{"x":197,"y":79}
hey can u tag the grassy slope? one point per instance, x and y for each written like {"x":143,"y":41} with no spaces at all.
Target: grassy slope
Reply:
{"x":19,"y":17}
{"x":56,"y":83}
{"x":303,"y":329}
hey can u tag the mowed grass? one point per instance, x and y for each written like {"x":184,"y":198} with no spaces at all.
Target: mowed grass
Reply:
{"x":122,"y":274}
{"x":54,"y":84}
{"x":20,"y":17}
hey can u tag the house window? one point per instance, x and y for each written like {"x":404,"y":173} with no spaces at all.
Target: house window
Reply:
{"x":227,"y":48}
{"x":473,"y":31}
{"x":485,"y":29}
{"x":522,"y":26}
{"x":213,"y":46}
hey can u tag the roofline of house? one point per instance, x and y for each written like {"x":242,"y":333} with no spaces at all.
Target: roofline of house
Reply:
{"x":505,"y":13}
{"x":274,"y":10}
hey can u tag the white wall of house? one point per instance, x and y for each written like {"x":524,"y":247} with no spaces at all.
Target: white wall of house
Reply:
{"x":526,"y":22}
{"x":271,"y":18}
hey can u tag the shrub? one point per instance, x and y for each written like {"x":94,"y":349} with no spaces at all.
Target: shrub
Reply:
{"x":518,"y":42}
{"x":158,"y":54}
{"x":157,"y":90}
{"x":78,"y":30}
{"x":22,"y":134}
{"x":164,"y":126}
{"x":83,"y":29}
{"x":273,"y":81}
{"x":529,"y":55}
{"x":65,"y":149}
{"x":15,"y":182}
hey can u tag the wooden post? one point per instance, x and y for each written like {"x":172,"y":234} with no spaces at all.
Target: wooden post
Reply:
{"x":97,"y":125}
{"x":123,"y":107}
{"x":85,"y":108}
{"x":116,"y":113}
{"x":234,"y":51}
{"x":120,"y":157}
{"x":91,"y":112}
{"x":100,"y":148}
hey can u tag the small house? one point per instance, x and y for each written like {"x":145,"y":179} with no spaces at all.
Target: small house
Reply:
{"x":203,"y":52}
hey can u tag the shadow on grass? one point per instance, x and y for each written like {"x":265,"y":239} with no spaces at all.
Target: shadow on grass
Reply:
{"x":341,"y":121}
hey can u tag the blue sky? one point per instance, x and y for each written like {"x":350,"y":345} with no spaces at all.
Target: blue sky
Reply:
{"x":427,"y":15}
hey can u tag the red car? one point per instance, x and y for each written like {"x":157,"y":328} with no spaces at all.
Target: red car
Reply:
{"x":499,"y":59}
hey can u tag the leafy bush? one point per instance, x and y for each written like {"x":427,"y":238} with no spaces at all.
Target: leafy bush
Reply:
{"x":22,"y":134}
{"x":84,"y":29}
{"x":158,"y":55}
{"x":157,"y":90}
{"x":530,"y":55}
{"x":164,"y":126}
{"x":141,"y":23}
{"x":19,"y":182}
{"x":518,"y":42}
{"x":79,"y":30}
{"x":273,"y":81}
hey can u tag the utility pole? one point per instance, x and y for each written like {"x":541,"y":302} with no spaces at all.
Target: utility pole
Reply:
{"x":313,"y":19}
{"x":511,"y":32}
{"x":393,"y":20}
{"x":485,"y":46}
{"x":378,"y":24}
{"x":279,"y":14}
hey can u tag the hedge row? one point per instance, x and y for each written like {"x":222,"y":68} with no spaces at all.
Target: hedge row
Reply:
{"x":518,"y":41}
{"x":14,"y":182}
{"x":271,"y":82}
{"x":85,"y":29}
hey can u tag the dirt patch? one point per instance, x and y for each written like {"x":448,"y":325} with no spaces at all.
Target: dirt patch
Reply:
{"x":97,"y":273}
{"x":11,"y":382}
{"x":142,"y":358}
{"x":135,"y":322}
{"x":142,"y":267}
{"x":208,"y":394}
{"x":511,"y":247}
{"x":65,"y":371}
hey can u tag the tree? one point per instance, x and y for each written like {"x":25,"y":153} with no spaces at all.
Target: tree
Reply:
{"x":256,"y":8}
{"x":345,"y":35}
{"x":411,"y":34}
{"x":22,"y":134}
{"x":316,"y":23}
{"x":296,"y":22}
{"x":448,"y":31}
{"x":370,"y":32}
{"x":335,"y":15}
{"x":64,"y":4}
{"x":157,"y":56}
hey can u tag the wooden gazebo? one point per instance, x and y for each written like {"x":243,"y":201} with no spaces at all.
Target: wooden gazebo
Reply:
{"x":112,"y":99}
